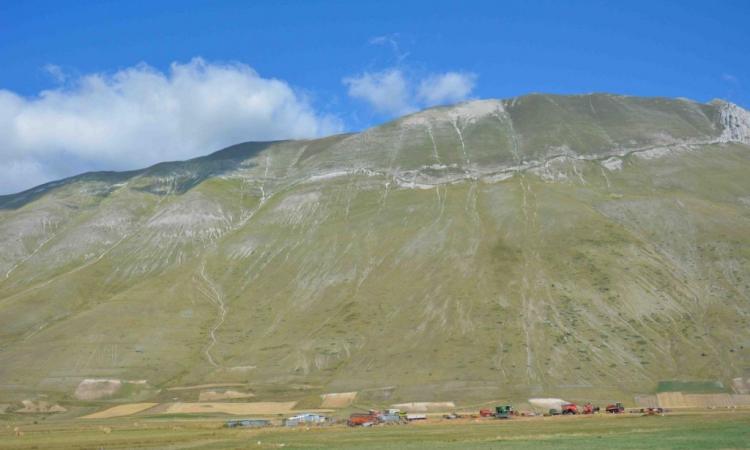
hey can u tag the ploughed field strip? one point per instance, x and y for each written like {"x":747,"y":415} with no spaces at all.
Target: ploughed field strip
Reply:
{"x":231,"y":408}
{"x":121,"y":410}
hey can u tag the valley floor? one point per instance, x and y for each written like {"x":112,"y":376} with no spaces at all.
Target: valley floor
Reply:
{"x":696,"y":430}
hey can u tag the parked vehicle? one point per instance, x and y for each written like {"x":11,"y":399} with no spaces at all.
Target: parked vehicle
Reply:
{"x":486,"y":412}
{"x":390,"y":418}
{"x":362,"y":419}
{"x":588,"y":408}
{"x":615,"y":408}
{"x":569,"y":409}
{"x":503,"y":412}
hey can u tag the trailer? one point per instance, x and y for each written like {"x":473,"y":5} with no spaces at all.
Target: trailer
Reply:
{"x":389,"y":418}
{"x":652,"y":411}
{"x":588,"y":408}
{"x":248,"y":423}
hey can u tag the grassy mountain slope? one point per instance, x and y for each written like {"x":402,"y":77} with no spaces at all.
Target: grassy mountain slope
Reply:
{"x":570,"y":245}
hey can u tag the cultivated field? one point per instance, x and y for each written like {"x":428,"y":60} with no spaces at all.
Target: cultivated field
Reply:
{"x":697,"y":430}
{"x":204,"y":386}
{"x":121,"y":410}
{"x":231,"y":408}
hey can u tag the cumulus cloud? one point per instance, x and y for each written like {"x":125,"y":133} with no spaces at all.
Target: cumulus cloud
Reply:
{"x":139,"y":116}
{"x":391,"y":92}
{"x":387,"y":91}
{"x":447,"y":87}
{"x":56,"y":72}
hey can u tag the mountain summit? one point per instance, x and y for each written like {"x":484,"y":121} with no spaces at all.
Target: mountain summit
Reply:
{"x":571,"y":245}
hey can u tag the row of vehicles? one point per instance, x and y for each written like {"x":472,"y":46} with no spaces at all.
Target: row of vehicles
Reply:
{"x":395,"y":416}
{"x":588,"y":408}
{"x":387,"y":417}
{"x":505,"y":411}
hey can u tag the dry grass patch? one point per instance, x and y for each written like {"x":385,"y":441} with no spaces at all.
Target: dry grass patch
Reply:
{"x":94,"y":389}
{"x":251,"y":408}
{"x":212,"y":395}
{"x":204,"y":386}
{"x":422,"y":407}
{"x":121,"y":410}
{"x":40,"y":406}
{"x":338,"y":399}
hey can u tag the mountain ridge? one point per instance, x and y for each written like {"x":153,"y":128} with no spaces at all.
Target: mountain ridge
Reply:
{"x":737,"y":113}
{"x":571,"y":245}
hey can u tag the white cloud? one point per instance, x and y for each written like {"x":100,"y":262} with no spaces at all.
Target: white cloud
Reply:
{"x":139,"y":116}
{"x":391,"y":92}
{"x":56,"y":72}
{"x":387,"y":91}
{"x":448,"y":87}
{"x":380,"y":40}
{"x":392,"y":41}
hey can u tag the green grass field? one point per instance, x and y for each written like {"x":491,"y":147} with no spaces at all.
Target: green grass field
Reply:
{"x":705,"y":430}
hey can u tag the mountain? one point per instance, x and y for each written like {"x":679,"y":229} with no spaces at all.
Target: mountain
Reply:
{"x":589,"y":246}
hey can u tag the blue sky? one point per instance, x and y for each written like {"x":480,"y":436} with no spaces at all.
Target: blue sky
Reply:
{"x":322,"y":67}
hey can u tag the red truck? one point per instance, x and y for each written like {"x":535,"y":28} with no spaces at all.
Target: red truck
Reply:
{"x":569,"y":408}
{"x":572,"y":408}
{"x":362,"y":419}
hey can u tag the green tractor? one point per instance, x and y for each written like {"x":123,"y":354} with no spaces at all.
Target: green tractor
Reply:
{"x":503,"y":412}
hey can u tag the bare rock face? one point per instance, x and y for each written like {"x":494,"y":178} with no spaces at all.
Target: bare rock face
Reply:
{"x":40,"y":407}
{"x":95,"y":389}
{"x":735,"y":122}
{"x":572,"y":246}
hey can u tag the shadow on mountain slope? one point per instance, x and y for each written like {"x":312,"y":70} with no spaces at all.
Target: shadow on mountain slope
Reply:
{"x":176,"y":177}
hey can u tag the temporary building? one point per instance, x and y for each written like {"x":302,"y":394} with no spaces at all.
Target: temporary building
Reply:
{"x":306,"y":418}
{"x":250,"y":423}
